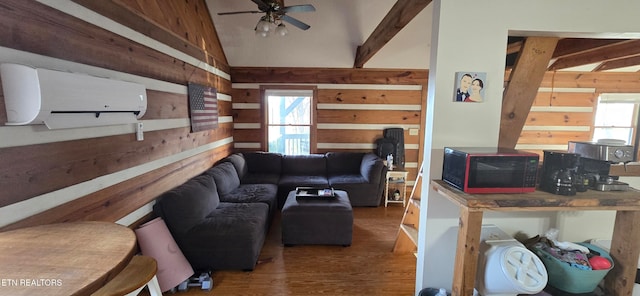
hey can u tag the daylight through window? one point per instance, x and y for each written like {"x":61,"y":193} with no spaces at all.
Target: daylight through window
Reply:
{"x":289,"y":121}
{"x":615,"y":117}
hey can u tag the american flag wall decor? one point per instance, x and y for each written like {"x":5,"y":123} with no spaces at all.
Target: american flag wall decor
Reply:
{"x":203,"y":107}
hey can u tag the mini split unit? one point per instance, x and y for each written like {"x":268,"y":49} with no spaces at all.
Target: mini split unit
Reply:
{"x":65,"y":100}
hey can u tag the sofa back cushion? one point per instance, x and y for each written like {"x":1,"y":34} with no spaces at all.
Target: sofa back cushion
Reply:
{"x":239,"y":163}
{"x":343,"y":163}
{"x":304,"y":165}
{"x":263,"y":162}
{"x":188,"y":204}
{"x":225,"y":176}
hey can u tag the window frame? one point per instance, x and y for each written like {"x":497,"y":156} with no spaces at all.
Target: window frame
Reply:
{"x":632,"y":125}
{"x":265,"y":113}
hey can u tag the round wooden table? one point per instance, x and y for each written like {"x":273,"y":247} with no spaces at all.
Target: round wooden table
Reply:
{"x":74,"y":258}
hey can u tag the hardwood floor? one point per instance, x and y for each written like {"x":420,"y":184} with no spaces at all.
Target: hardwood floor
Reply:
{"x":367,"y":267}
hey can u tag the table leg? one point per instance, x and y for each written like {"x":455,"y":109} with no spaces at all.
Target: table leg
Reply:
{"x":467,"y":251}
{"x":625,"y":248}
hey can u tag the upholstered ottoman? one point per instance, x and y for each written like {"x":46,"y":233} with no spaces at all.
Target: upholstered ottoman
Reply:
{"x":317,"y":221}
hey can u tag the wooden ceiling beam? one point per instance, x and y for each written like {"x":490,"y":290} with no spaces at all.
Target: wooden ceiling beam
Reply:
{"x":571,"y":46}
{"x":522,"y":87}
{"x":398,"y":17}
{"x":619,"y":63}
{"x":619,"y":50}
{"x":514,"y":47}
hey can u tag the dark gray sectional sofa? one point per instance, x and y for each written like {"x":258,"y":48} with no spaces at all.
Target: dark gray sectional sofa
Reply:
{"x":220,"y":218}
{"x":360,"y":174}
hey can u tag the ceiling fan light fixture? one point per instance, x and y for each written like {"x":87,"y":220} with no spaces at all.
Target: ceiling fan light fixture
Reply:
{"x":262,"y":33}
{"x":274,"y":15}
{"x":281,"y":30}
{"x":263,"y":25}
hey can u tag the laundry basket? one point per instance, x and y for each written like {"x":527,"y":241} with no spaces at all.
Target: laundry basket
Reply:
{"x":571,"y":279}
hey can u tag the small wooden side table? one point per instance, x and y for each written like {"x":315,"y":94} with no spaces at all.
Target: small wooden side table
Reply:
{"x":396,"y":180}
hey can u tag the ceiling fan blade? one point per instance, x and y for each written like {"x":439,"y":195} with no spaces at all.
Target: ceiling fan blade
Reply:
{"x":299,"y":8}
{"x":238,"y":12}
{"x":261,"y":5}
{"x":295,"y":22}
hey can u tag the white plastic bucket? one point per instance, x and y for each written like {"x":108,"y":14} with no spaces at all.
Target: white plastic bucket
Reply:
{"x":506,"y":267}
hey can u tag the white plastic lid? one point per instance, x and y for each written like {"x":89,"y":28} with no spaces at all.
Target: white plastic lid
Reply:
{"x":524,"y":269}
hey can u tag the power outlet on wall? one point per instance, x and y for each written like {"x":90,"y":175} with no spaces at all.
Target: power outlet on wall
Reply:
{"x":413,"y":132}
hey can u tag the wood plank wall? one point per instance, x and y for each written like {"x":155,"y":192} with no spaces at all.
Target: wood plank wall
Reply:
{"x":103,"y":173}
{"x":353,"y":107}
{"x":564,"y":109}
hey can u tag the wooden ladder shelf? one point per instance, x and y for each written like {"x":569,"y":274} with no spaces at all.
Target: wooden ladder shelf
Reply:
{"x":407,"y":237}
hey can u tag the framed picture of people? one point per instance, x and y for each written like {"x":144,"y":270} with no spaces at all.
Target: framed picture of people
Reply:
{"x":470,"y":87}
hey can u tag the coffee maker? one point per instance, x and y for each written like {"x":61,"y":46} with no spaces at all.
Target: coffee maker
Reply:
{"x":595,"y":162}
{"x":559,"y":172}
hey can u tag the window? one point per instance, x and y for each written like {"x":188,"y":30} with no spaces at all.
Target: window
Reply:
{"x":289,"y":121}
{"x":615,"y":117}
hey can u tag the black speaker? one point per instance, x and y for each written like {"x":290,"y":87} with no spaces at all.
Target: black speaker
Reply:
{"x":398,"y":135}
{"x":385,"y":146}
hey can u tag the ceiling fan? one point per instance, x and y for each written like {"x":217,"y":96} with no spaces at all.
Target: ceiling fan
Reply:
{"x":275,"y":14}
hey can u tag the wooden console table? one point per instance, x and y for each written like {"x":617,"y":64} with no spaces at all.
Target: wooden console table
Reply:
{"x":625,"y":244}
{"x":75,"y":258}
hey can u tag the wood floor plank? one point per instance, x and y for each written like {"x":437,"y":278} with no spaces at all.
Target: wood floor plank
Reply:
{"x":367,"y":267}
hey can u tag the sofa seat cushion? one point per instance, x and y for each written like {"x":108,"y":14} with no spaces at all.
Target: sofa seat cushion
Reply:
{"x":246,"y":193}
{"x":188,"y":204}
{"x":225,"y":177}
{"x":230,"y":238}
{"x":364,"y":193}
{"x":290,"y":182}
{"x":346,"y":179}
{"x":301,"y":180}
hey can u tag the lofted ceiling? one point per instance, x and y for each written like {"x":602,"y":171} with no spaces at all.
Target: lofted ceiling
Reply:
{"x":579,"y":54}
{"x":339,"y":27}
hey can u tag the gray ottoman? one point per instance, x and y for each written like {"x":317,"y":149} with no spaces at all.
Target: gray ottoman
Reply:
{"x":317,"y":222}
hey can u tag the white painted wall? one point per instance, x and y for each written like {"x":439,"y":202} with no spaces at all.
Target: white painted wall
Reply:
{"x":471,"y":36}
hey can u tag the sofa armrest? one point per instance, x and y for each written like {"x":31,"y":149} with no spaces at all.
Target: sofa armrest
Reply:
{"x":372,"y":168}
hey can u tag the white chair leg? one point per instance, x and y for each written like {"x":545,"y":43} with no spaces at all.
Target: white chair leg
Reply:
{"x":154,"y":287}
{"x":136,"y":292}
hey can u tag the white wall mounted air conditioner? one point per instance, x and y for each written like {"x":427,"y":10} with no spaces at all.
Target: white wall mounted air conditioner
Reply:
{"x":65,"y":100}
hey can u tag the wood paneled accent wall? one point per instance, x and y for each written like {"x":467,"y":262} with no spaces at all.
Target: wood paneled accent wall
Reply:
{"x":353,"y":107}
{"x":103,"y":173}
{"x":564,"y":109}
